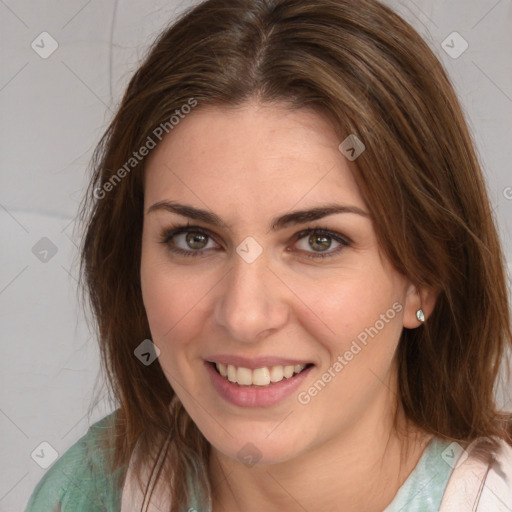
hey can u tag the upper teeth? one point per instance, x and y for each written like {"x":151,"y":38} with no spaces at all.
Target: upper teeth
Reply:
{"x":260,"y":376}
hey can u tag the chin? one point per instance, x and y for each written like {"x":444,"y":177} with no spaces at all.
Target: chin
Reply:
{"x":257,"y":450}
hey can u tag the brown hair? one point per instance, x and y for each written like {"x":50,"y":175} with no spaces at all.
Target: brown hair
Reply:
{"x":360,"y":64}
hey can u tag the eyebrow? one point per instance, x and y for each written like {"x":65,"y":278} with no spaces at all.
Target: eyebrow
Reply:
{"x":296,"y":217}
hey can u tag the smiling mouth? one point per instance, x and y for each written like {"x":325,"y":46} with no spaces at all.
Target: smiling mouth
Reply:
{"x":265,"y":376}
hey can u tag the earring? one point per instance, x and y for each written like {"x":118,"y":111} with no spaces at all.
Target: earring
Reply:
{"x":420,"y":316}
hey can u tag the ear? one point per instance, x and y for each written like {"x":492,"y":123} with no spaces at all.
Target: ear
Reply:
{"x":418,"y":298}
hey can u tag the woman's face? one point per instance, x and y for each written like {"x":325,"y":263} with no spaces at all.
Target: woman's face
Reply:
{"x":252,"y":286}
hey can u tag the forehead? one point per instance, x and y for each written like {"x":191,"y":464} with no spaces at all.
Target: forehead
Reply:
{"x":252,"y":158}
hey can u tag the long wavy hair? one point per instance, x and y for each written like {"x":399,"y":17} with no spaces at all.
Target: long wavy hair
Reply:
{"x":366,"y":69}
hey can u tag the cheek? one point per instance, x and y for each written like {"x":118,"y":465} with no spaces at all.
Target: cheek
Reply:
{"x":363,"y":314}
{"x":349,"y":303}
{"x":172,"y":300}
{"x":158,"y":297}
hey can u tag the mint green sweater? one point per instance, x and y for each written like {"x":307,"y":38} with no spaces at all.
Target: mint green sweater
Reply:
{"x":79,"y":481}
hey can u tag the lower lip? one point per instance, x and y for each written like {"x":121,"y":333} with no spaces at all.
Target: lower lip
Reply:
{"x":255,"y":396}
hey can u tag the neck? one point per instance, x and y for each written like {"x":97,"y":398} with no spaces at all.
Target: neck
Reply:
{"x":363,"y":467}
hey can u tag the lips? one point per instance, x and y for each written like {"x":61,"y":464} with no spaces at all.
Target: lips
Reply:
{"x":255,"y":395}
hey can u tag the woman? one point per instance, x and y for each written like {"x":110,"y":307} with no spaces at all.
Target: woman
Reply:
{"x":298,"y":284}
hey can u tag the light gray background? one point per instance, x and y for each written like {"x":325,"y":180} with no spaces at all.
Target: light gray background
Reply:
{"x":53,"y":112}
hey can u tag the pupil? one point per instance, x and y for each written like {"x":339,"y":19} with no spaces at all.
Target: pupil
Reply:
{"x":324,"y":241}
{"x":197,"y":238}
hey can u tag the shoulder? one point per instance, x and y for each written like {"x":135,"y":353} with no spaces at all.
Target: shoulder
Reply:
{"x":497,"y":491}
{"x":80,"y":480}
{"x":482,"y":478}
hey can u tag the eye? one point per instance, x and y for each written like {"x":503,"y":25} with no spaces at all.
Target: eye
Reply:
{"x":186,"y":240}
{"x":194,"y":241}
{"x":320,"y":240}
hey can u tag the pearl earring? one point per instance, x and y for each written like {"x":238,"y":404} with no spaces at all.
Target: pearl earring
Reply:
{"x":420,"y":315}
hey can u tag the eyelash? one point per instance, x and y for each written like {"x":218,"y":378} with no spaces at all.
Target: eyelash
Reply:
{"x":170,"y":233}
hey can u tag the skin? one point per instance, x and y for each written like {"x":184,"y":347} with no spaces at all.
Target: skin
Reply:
{"x":249,"y":165}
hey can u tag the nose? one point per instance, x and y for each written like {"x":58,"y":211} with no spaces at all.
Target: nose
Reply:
{"x":251,"y":304}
